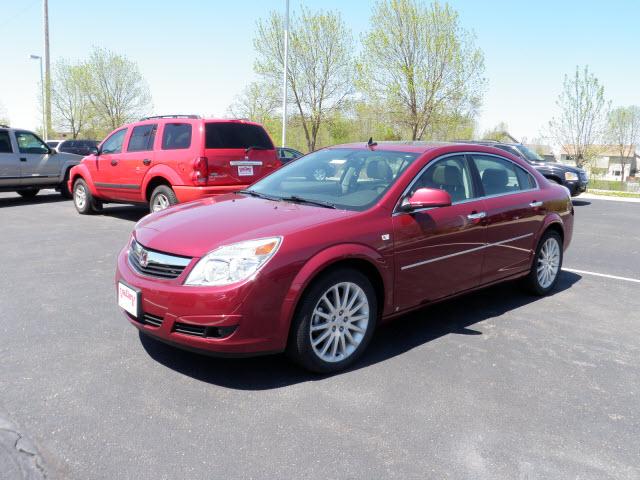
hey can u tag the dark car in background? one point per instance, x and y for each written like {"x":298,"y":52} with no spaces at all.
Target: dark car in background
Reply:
{"x":573,"y":178}
{"x":286,"y":154}
{"x":79,"y":147}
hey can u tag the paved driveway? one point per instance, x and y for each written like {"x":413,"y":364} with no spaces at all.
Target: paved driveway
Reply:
{"x":497,"y":384}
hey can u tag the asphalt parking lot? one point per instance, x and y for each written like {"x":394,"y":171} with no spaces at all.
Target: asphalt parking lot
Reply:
{"x":496,"y":384}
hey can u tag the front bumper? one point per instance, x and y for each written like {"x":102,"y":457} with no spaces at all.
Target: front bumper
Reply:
{"x":213,"y":320}
{"x":576,"y":187}
{"x":187,"y":193}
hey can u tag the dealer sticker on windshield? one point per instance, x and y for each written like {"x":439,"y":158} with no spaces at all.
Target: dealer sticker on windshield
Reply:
{"x":245,"y":170}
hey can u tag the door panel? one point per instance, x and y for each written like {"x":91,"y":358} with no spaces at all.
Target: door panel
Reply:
{"x":439,"y":252}
{"x":37,"y":165}
{"x":136,"y":161}
{"x":108,"y":173}
{"x":9,"y":162}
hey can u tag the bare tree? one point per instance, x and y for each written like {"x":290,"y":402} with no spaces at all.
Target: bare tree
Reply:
{"x":320,"y":67}
{"x":582,"y":118}
{"x":257,"y":102}
{"x":116,"y":89}
{"x":624,"y":133}
{"x":71,"y":107}
{"x":421,"y":62}
{"x":4,"y":116}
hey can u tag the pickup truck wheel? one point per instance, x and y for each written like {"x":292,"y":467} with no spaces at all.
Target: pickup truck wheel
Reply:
{"x":82,"y":198}
{"x":64,"y":187}
{"x":161,"y":198}
{"x":28,"y":192}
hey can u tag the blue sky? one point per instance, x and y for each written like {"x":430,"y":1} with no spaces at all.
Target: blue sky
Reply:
{"x":197,"y":54}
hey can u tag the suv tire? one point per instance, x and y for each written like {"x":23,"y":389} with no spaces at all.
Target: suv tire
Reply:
{"x":28,"y":192}
{"x":82,"y":199}
{"x":325,"y":336}
{"x":546,"y":266}
{"x":162,"y":197}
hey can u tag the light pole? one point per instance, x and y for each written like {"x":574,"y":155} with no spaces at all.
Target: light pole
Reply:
{"x":284,"y":76}
{"x":44,"y":120}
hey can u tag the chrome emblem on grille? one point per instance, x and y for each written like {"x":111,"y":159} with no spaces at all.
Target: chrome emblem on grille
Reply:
{"x":143,"y":258}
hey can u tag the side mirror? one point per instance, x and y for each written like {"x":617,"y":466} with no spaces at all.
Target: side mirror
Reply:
{"x":426,"y":198}
{"x":52,"y":151}
{"x":94,"y":151}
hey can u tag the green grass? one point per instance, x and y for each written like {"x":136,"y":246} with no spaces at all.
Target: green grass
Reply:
{"x":611,"y":193}
{"x":607,"y":185}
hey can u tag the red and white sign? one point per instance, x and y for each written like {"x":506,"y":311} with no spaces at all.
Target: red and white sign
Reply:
{"x":128,"y":299}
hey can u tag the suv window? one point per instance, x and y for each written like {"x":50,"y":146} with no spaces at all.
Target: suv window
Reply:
{"x":113,"y":144}
{"x":236,"y":135}
{"x":451,"y":174}
{"x":176,"y":136}
{"x":29,"y":143}
{"x":500,"y":176}
{"x":142,"y":138}
{"x":5,"y":142}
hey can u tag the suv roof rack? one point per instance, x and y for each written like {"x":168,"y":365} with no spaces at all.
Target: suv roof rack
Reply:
{"x":170,"y":116}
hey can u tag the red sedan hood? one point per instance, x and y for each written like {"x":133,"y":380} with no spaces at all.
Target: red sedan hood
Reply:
{"x":194,"y":229}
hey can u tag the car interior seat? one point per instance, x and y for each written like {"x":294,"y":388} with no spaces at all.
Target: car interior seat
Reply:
{"x":494,"y":181}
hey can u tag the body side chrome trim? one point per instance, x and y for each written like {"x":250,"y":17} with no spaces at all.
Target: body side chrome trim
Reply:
{"x":475,"y":249}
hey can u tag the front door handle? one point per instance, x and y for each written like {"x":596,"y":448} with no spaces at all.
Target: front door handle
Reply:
{"x":146,"y":161}
{"x":114,"y":163}
{"x":23,"y":159}
{"x":476,"y":216}
{"x":535,"y":204}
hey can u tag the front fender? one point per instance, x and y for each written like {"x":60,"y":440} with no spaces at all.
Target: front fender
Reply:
{"x":81,"y":171}
{"x":325,"y":259}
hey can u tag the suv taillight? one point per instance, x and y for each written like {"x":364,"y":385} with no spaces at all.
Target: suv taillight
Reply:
{"x":200,"y":170}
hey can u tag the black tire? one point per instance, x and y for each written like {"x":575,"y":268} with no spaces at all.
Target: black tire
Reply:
{"x":162,"y":194}
{"x":28,"y":192}
{"x":532,"y":281}
{"x":64,"y":187}
{"x":82,"y":198}
{"x":300,"y":347}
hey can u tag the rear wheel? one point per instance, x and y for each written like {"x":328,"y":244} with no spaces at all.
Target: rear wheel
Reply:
{"x":82,"y":198}
{"x":162,"y":197}
{"x":334,"y":323}
{"x":28,"y":192}
{"x":546,"y":265}
{"x":64,"y":187}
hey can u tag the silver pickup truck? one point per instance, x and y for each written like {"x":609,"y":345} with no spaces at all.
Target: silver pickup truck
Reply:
{"x":28,"y":165}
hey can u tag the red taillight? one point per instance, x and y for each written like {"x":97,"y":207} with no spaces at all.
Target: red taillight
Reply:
{"x":200,"y":170}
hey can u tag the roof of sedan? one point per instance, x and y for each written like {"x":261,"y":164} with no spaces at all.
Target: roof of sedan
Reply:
{"x":417,"y":146}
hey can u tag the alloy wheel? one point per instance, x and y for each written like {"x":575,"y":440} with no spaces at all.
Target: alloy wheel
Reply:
{"x":160,"y":202}
{"x":80,"y":196}
{"x":339,"y":322}
{"x":548,"y":262}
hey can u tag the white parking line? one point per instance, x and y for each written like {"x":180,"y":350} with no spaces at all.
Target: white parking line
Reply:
{"x":584,"y":272}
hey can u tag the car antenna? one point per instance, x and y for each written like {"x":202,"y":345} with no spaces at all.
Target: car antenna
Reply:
{"x":371,"y":143}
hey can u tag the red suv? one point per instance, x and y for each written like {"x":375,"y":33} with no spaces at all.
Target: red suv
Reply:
{"x":312,"y":265}
{"x":169,"y":159}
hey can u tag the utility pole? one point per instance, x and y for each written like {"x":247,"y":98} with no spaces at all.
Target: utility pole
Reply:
{"x":284,"y":76}
{"x":47,"y":75}
{"x":44,"y":120}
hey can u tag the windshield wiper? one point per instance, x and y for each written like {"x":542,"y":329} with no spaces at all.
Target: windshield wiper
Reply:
{"x":255,"y":147}
{"x":253,"y":193}
{"x":318,"y":203}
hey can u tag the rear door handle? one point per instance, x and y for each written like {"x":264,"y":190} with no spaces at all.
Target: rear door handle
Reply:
{"x":114,"y":163}
{"x":535,"y":204}
{"x":476,"y":216}
{"x":23,"y":159}
{"x":146,"y":161}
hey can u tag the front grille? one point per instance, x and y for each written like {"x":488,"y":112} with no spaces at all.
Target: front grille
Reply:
{"x":147,"y":319}
{"x":201,"y":331}
{"x":156,"y":264}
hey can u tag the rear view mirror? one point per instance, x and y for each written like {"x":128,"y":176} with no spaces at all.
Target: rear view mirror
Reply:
{"x":426,"y":198}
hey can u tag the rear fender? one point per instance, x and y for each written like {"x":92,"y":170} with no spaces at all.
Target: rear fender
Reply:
{"x":160,"y":171}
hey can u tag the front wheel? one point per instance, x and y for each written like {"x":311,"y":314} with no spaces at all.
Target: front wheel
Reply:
{"x":335,"y":322}
{"x":546,"y":265}
{"x":82,"y":198}
{"x":162,"y":197}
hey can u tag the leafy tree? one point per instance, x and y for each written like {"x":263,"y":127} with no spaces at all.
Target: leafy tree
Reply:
{"x":500,"y":133}
{"x":623,"y":132}
{"x":582,"y":117}
{"x":420,"y":62}
{"x":258,"y":102}
{"x":116,"y":89}
{"x":72,"y":110}
{"x":320,"y":65}
{"x":4,"y":116}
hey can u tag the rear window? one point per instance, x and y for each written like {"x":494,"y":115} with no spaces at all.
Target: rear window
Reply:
{"x":236,"y":135}
{"x":5,"y":142}
{"x":176,"y":136}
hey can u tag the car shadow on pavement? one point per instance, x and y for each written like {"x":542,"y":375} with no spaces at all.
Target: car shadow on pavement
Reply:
{"x":18,"y":201}
{"x":580,"y":203}
{"x":390,"y":340}
{"x":125,"y":212}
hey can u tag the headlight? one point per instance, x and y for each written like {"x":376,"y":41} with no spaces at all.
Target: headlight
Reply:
{"x":233,"y":263}
{"x":570,"y":176}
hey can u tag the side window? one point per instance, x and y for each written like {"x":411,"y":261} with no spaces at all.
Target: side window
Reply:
{"x":113,"y":144}
{"x":142,"y":138}
{"x":29,"y":143}
{"x":451,"y":174}
{"x":498,"y":176}
{"x":526,"y":179}
{"x":5,"y":143}
{"x":176,"y":136}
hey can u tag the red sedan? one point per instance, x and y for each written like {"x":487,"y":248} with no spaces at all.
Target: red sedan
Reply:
{"x":311,"y":266}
